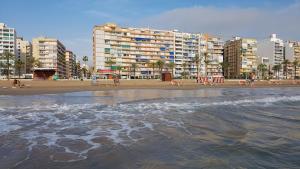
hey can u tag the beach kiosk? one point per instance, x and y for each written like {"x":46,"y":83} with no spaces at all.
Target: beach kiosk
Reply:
{"x":44,"y":73}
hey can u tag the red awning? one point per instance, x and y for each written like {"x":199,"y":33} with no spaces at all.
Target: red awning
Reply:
{"x":105,"y":71}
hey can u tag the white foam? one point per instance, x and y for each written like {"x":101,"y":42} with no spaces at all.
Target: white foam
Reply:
{"x":119,"y":123}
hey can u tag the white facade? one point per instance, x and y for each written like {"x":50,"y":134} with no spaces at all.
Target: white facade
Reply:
{"x":271,"y":52}
{"x":7,"y":43}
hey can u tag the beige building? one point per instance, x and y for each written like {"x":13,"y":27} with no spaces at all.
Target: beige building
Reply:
{"x":51,"y":55}
{"x":132,"y":48}
{"x":292,"y":53}
{"x":70,"y":64}
{"x":126,"y":47}
{"x":24,"y":53}
{"x":241,"y":56}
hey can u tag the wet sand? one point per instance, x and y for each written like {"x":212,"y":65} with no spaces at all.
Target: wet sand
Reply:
{"x":33,"y":87}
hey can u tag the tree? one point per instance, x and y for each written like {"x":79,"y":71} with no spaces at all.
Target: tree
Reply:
{"x":85,"y":59}
{"x":171,"y":66}
{"x":225,"y":66}
{"x":78,"y":70}
{"x":84,"y":70}
{"x":206,"y":61}
{"x":153,"y":66}
{"x":7,"y":57}
{"x":262,"y":68}
{"x":110,"y":63}
{"x":134,"y":67}
{"x":277,"y":68}
{"x":119,"y":68}
{"x":285,"y":63}
{"x":296,"y":63}
{"x":160,"y":64}
{"x":33,"y":62}
{"x":184,"y":73}
{"x":196,"y":60}
{"x":19,"y":65}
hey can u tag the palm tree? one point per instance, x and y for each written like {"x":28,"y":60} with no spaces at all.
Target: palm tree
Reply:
{"x":160,"y":64}
{"x":262,"y":68}
{"x":7,"y":56}
{"x":296,"y":63}
{"x":171,"y":66}
{"x":134,"y":67}
{"x":19,"y":65}
{"x":110,"y":63}
{"x":196,"y":60}
{"x":225,"y":66}
{"x":119,"y":68}
{"x":33,"y":62}
{"x":206,"y":61}
{"x":85,"y":59}
{"x":184,"y":65}
{"x":84,"y":70}
{"x":285,"y":63}
{"x":277,"y":68}
{"x":78,"y":70}
{"x":153,"y":66}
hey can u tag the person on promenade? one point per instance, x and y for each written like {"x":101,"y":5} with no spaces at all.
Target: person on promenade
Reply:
{"x":116,"y":81}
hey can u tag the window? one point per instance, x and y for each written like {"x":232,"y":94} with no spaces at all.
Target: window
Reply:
{"x":107,"y":50}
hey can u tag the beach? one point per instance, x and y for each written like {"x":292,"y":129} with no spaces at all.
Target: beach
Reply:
{"x":33,"y":87}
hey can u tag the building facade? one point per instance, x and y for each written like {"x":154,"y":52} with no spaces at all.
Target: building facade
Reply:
{"x":7,"y":44}
{"x":50,"y":53}
{"x":137,"y":49}
{"x":241,"y":56}
{"x":133,"y":49}
{"x":292,"y":53}
{"x":70,"y":64}
{"x":211,"y":48}
{"x":24,"y":54}
{"x":271,"y":52}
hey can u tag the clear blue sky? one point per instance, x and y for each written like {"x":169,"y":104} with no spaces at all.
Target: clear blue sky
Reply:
{"x":72,"y":21}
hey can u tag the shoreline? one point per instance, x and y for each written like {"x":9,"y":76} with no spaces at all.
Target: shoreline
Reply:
{"x":69,"y":86}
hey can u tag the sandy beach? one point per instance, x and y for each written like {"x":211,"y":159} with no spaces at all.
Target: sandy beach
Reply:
{"x":33,"y":87}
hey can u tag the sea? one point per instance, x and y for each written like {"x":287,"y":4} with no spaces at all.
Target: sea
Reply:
{"x":152,"y":129}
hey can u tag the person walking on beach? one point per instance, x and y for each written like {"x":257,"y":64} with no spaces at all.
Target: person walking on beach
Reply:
{"x":252,"y":79}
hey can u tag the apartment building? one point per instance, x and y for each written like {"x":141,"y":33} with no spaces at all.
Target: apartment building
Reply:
{"x":24,"y":54}
{"x":116,"y":46}
{"x":51,"y":55}
{"x":241,"y":56}
{"x":211,"y":48}
{"x":7,"y":43}
{"x":132,"y":48}
{"x":292,"y":53}
{"x":70,"y":64}
{"x":271,"y":52}
{"x":186,"y":49}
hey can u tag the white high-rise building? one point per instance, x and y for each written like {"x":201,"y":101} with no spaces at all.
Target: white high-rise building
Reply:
{"x":7,"y":43}
{"x":271,"y":52}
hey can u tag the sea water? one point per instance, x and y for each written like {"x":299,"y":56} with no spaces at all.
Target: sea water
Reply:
{"x":206,"y":128}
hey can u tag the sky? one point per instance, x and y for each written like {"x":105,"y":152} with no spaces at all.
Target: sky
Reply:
{"x":72,"y":21}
